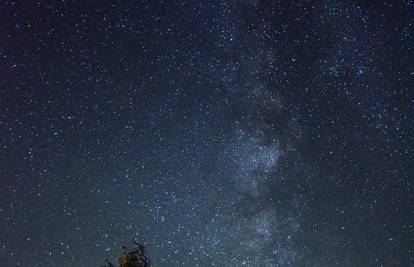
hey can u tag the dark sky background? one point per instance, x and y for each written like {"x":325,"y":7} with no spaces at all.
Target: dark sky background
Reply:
{"x":219,"y":133}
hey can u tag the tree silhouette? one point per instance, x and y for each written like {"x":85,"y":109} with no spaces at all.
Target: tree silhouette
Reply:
{"x":133,"y":257}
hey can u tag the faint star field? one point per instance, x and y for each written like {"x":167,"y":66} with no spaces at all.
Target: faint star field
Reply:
{"x":217,"y":133}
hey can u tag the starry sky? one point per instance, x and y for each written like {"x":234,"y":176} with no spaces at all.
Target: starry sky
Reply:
{"x":218,"y":133}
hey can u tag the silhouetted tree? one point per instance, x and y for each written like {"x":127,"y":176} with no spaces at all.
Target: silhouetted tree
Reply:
{"x":133,"y":257}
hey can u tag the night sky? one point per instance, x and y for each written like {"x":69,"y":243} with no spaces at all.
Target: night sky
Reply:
{"x":218,"y":133}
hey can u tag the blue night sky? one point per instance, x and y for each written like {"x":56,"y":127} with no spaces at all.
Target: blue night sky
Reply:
{"x":218,"y":133}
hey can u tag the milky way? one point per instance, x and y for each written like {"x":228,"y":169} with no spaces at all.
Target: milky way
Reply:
{"x":218,"y":133}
